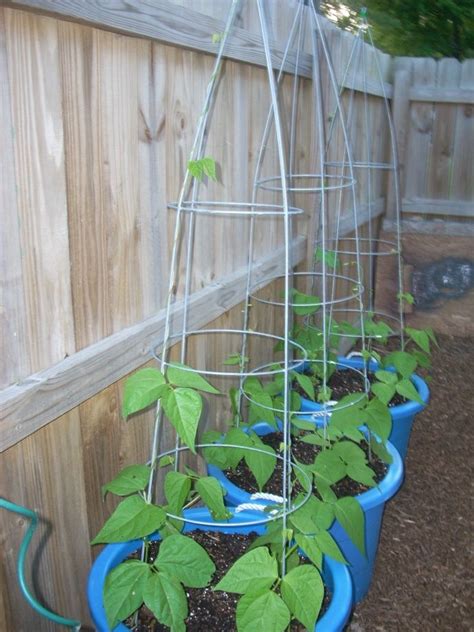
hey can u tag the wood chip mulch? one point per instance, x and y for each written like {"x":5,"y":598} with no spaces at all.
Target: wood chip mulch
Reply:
{"x":424,"y":578}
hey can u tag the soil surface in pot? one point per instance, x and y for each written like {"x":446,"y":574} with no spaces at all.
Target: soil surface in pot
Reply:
{"x":343,"y":382}
{"x":208,"y":610}
{"x":304,"y":453}
{"x":424,"y":573}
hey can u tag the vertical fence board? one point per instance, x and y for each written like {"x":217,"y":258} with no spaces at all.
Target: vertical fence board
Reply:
{"x":44,"y":473}
{"x":15,"y":362}
{"x":41,"y":196}
{"x":420,"y":131}
{"x":441,"y":161}
{"x":462,"y":183}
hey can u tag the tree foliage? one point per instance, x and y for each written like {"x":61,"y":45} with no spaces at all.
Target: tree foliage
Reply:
{"x":416,"y":28}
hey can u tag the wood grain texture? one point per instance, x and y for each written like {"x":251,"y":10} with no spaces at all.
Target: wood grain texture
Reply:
{"x":164,"y":21}
{"x":13,"y":344}
{"x":41,"y":193}
{"x":442,"y":94}
{"x":432,"y":227}
{"x":43,"y":397}
{"x":438,"y":207}
{"x":44,"y":473}
{"x":442,"y":145}
{"x":463,"y":162}
{"x":420,"y":132}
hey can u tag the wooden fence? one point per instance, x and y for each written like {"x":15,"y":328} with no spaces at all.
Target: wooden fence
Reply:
{"x":99,"y":104}
{"x":433,"y":108}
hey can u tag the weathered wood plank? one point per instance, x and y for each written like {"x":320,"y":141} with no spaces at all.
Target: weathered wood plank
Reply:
{"x":432,"y":227}
{"x":444,"y":125}
{"x":41,"y":189}
{"x":420,"y":132}
{"x":28,"y":406}
{"x":166,"y":22}
{"x":364,"y":212}
{"x":13,"y":343}
{"x":462,"y":181}
{"x":440,"y":94}
{"x":400,"y":114}
{"x":438,"y":207}
{"x":162,"y":20}
{"x":44,"y":473}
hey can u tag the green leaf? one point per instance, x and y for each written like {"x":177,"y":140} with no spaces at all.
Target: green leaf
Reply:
{"x":361,"y":473}
{"x":186,"y":560}
{"x":349,"y":452}
{"x":261,"y":406}
{"x":306,"y":384}
{"x":123,"y":590}
{"x":211,"y":436}
{"x":406,"y":296}
{"x":431,"y":336}
{"x":351,"y":517}
{"x":133,"y":518}
{"x":212,"y":494}
{"x":387,"y":377}
{"x":310,"y":548}
{"x":204,"y":166}
{"x":183,"y":407}
{"x":166,"y":460}
{"x":403,"y":361}
{"x":302,"y":590}
{"x":329,"y":546}
{"x":252,"y":385}
{"x":262,"y":612}
{"x":302,"y":424}
{"x":236,"y":436}
{"x":304,"y":304}
{"x":329,"y":256}
{"x":329,"y":466}
{"x":381,"y":451}
{"x":142,"y":389}
{"x":165,"y":597}
{"x":379,"y":419}
{"x":255,"y":570}
{"x":209,"y":167}
{"x":131,"y":479}
{"x":384,"y":392}
{"x":236,"y":359}
{"x":407,"y":389}
{"x":422,"y":358}
{"x":177,"y":487}
{"x":181,"y":375}
{"x":419,"y":337}
{"x":261,"y":465}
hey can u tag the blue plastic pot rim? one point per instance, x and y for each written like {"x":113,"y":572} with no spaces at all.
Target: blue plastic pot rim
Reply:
{"x":387,"y":487}
{"x":407,"y":408}
{"x":333,"y":619}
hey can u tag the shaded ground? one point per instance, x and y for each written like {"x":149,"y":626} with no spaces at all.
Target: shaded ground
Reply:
{"x":424,"y":577}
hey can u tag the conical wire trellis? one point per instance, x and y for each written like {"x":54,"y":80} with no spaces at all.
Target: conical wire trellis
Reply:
{"x":372,"y":164}
{"x":278,"y":190}
{"x":190,"y":209}
{"x":327,"y":193}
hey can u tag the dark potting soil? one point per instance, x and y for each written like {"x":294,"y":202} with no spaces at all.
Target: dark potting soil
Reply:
{"x":304,"y":453}
{"x":208,"y":610}
{"x":343,"y":382}
{"x":424,"y":576}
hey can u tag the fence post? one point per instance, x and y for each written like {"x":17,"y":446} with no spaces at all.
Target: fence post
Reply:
{"x":400,"y":114}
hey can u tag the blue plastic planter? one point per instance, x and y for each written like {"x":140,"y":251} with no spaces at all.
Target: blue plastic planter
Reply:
{"x":336,"y":576}
{"x":372,"y":503}
{"x":403,"y":415}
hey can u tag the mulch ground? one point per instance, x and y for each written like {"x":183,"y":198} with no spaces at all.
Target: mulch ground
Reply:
{"x":424,"y":578}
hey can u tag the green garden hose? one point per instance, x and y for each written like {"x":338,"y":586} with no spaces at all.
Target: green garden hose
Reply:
{"x":31,"y":515}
